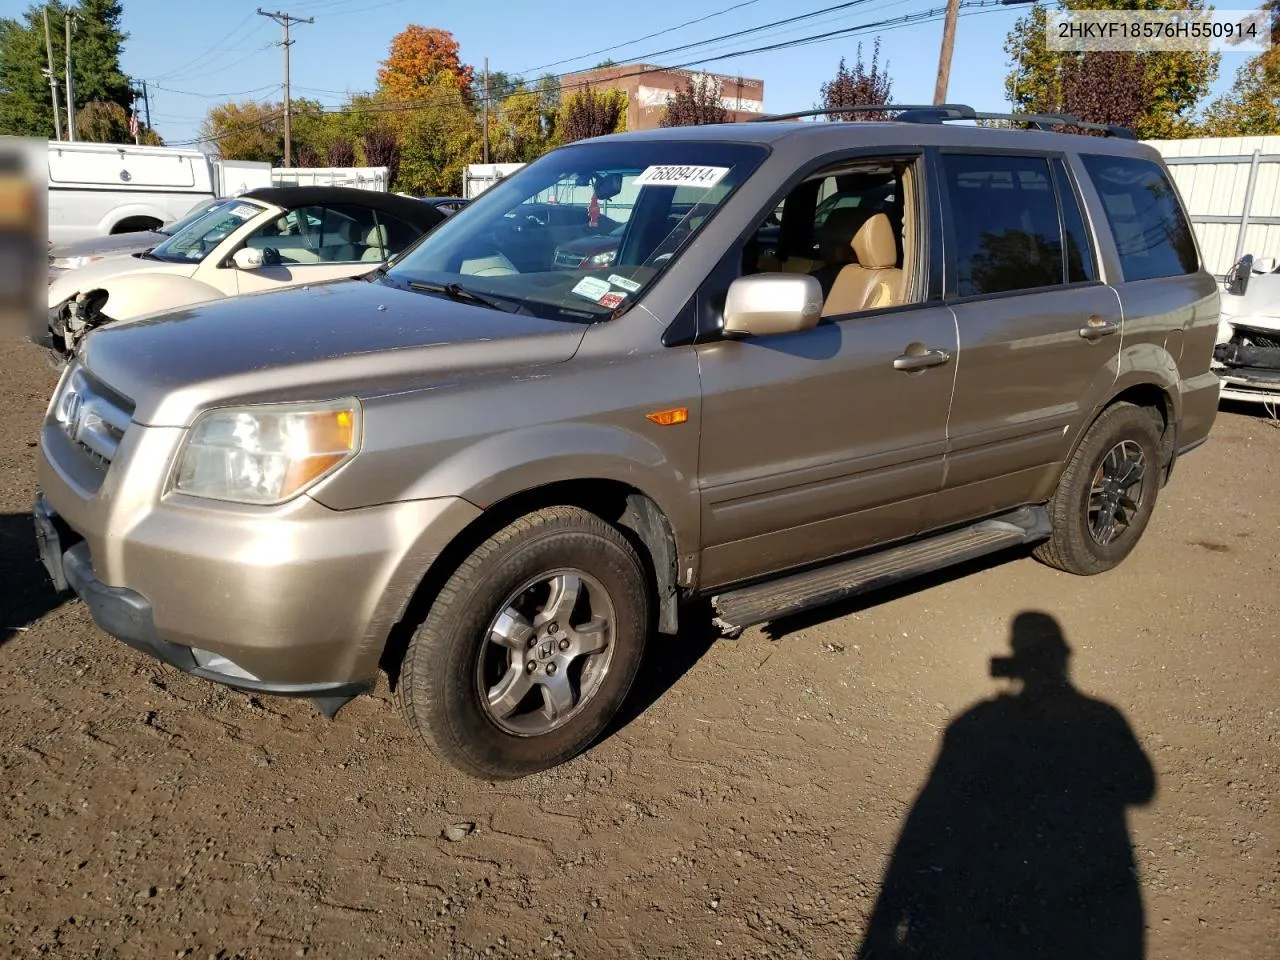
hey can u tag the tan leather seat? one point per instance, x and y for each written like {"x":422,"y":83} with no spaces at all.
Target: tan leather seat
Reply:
{"x":875,"y":280}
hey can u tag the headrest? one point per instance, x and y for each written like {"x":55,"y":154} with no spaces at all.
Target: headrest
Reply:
{"x":874,"y":243}
{"x":345,"y":230}
{"x":837,"y":231}
{"x":376,"y":237}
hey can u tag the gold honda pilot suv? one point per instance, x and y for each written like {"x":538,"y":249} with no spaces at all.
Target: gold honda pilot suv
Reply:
{"x":823,"y":357}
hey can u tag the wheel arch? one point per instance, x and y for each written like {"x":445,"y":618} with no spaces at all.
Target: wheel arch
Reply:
{"x":628,"y":508}
{"x":1149,"y":394}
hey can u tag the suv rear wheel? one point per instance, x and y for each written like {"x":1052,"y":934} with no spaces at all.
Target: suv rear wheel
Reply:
{"x":530,"y":647}
{"x":1106,"y":493}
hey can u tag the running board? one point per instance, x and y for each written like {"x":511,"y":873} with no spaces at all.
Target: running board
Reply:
{"x":798,"y":592}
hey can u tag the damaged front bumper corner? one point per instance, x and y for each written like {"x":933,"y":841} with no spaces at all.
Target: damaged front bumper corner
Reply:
{"x":1248,"y":366}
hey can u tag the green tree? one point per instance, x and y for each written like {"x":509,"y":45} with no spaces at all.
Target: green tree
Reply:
{"x":437,"y":141}
{"x":246,"y":131}
{"x":26,"y":107}
{"x":1172,"y":83}
{"x":519,"y":136}
{"x":1252,"y":106}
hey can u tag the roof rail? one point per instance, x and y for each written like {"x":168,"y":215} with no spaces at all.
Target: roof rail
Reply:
{"x":939,"y":112}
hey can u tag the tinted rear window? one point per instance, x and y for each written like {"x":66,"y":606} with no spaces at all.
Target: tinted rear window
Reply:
{"x":1152,"y":235}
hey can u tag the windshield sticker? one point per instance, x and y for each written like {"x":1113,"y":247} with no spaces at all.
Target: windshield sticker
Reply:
{"x":670,"y":175}
{"x":244,"y":210}
{"x":627,"y":284}
{"x":612,"y":300}
{"x":593,"y":288}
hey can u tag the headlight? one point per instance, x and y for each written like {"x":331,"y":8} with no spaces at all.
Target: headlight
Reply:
{"x":602,"y":259}
{"x":70,"y":263}
{"x":267,"y":454}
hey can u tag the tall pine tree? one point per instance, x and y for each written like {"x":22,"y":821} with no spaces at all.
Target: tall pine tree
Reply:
{"x":26,"y":107}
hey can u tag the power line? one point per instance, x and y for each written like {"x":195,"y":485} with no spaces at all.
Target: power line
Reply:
{"x":648,"y":36}
{"x":972,"y":7}
{"x":217,"y":49}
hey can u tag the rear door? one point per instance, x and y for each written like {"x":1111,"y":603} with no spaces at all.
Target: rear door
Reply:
{"x":1039,"y":331}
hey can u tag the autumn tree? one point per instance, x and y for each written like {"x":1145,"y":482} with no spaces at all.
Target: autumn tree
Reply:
{"x":381,"y":148}
{"x":26,"y":107}
{"x":419,"y":55}
{"x":1252,"y":106}
{"x":1172,"y":82}
{"x":1104,"y":87}
{"x":246,"y":131}
{"x":696,"y":102}
{"x":592,"y":113}
{"x":859,"y":85}
{"x":341,"y":153}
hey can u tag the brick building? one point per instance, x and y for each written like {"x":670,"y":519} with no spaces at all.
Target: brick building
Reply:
{"x":647,"y":88}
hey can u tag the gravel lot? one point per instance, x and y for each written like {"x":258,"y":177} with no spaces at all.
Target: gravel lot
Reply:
{"x":751,"y":803}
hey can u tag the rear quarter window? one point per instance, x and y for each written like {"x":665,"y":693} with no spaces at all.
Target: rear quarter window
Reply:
{"x":1152,"y":235}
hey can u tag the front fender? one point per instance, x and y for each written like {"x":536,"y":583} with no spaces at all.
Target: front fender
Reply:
{"x":142,"y":295}
{"x":512,"y":462}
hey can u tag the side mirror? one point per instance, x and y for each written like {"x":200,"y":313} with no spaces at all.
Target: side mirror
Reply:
{"x":1264,"y":265}
{"x":771,"y":303}
{"x":247,"y":258}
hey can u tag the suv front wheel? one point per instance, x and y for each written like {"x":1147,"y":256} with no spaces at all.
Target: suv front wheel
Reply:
{"x":1106,"y":494}
{"x":530,"y":647}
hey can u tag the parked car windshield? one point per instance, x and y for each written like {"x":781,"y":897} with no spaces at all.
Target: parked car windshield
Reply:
{"x":645,"y":201}
{"x":196,"y":240}
{"x":192,"y":215}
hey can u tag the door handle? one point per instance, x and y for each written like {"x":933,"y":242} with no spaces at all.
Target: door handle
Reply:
{"x":918,"y":361}
{"x":1095,"y":328}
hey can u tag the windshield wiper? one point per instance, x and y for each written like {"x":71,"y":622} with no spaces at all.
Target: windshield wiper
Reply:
{"x":459,"y":292}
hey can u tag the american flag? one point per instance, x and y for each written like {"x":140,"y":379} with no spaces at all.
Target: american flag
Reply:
{"x":133,"y":123}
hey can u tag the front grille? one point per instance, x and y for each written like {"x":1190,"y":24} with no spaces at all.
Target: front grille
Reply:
{"x":563,"y":259}
{"x":92,"y":415}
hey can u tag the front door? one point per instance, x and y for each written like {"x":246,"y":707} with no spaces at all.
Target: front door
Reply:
{"x":821,"y":442}
{"x":1039,"y":333}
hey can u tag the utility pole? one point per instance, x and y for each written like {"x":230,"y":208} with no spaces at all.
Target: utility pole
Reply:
{"x":71,"y":100}
{"x":284,"y":19}
{"x":948,"y":44}
{"x":484,"y":110}
{"x":52,"y":75}
{"x":146,"y":102}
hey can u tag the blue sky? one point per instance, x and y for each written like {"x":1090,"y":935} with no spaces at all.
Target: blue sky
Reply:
{"x":194,"y":54}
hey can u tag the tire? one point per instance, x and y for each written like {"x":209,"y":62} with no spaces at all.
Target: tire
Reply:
{"x":454,"y":667}
{"x":1075,"y":545}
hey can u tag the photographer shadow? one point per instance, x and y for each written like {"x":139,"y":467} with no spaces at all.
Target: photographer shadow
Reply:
{"x":1018,"y":844}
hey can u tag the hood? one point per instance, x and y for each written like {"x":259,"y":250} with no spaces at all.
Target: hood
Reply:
{"x":97,"y":274}
{"x":1260,"y":305}
{"x":342,"y":338}
{"x":110,"y":244}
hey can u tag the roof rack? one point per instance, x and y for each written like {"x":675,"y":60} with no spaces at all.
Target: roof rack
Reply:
{"x":939,"y":112}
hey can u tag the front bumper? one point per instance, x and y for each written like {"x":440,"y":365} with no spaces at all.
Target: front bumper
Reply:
{"x":301,"y":606}
{"x":127,"y":615}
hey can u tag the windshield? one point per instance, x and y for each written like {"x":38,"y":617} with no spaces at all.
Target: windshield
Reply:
{"x":194,"y":242}
{"x":194,"y":214}
{"x":580,"y":232}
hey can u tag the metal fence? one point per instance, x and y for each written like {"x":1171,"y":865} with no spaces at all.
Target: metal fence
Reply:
{"x":1231,"y":186}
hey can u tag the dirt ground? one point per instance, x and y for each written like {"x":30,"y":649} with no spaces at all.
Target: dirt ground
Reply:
{"x":759,"y":798}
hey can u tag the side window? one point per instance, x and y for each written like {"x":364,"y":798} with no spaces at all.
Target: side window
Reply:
{"x":1080,"y":261}
{"x":1004,"y":220}
{"x":1151,"y":232}
{"x":346,"y":232}
{"x":393,"y":235}
{"x":852,"y":228}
